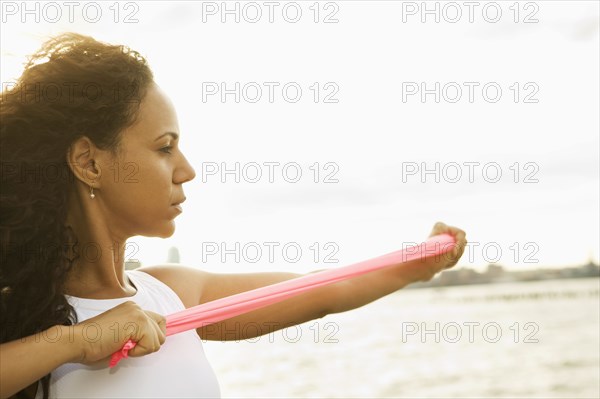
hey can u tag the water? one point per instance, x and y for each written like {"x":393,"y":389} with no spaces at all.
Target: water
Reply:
{"x":534,"y":339}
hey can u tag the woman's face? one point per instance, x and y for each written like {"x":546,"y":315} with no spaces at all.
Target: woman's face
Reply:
{"x":139,"y":189}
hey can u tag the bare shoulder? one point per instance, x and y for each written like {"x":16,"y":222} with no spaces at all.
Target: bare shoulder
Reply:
{"x":187,"y":282}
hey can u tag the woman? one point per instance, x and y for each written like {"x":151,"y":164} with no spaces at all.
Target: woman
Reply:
{"x":90,"y":158}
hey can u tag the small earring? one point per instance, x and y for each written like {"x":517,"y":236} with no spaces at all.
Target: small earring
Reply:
{"x":92,"y":192}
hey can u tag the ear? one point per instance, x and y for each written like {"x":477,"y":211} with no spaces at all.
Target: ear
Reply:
{"x":81,"y":159}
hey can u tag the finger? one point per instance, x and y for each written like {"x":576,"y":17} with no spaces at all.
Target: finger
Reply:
{"x":159,"y":323}
{"x":153,"y":315}
{"x":438,"y":228}
{"x":463,"y":246}
{"x":161,"y":326}
{"x":457,"y":233}
{"x":460,"y":250}
{"x":160,"y":334}
{"x":154,"y":343}
{"x":147,"y":344}
{"x":139,"y":349}
{"x":460,"y":239}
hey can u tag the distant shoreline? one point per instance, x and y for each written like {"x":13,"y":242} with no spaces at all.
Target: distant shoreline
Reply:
{"x":496,"y":274}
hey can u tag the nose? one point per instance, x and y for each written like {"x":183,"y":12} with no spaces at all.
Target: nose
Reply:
{"x":185,"y":172}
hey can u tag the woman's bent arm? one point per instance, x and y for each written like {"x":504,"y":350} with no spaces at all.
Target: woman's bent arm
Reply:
{"x":26,"y":360}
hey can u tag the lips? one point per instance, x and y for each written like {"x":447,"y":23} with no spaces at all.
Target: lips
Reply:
{"x":179,"y":202}
{"x":177,"y":205}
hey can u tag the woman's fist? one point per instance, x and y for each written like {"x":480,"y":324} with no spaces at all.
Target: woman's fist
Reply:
{"x":423,"y":269}
{"x":99,"y":337}
{"x":451,"y":258}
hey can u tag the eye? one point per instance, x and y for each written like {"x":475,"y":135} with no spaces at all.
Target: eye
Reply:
{"x":167,"y":149}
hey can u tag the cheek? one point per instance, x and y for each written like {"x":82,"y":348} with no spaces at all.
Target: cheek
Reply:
{"x":139,"y":186}
{"x":153,"y":184}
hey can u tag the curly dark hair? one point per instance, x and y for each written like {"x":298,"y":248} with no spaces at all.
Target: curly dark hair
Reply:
{"x":73,"y":86}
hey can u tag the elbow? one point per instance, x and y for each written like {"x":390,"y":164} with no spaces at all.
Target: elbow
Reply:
{"x":334,"y":301}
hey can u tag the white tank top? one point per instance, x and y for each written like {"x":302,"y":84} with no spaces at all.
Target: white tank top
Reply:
{"x":179,"y":369}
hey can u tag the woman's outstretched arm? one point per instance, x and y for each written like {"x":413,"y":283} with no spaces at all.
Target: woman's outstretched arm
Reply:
{"x":316,"y":303}
{"x":366,"y":288}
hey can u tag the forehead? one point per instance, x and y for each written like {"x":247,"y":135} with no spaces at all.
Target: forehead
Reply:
{"x":156,"y":115}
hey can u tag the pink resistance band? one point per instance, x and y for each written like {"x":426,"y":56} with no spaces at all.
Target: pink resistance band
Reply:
{"x":244,"y":302}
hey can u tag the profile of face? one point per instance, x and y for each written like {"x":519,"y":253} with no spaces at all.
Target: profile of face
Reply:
{"x":136,"y":192}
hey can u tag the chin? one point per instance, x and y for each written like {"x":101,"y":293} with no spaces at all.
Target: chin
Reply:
{"x":166,"y":230}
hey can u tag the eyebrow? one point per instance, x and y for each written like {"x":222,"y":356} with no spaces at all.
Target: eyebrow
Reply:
{"x":172,"y":134}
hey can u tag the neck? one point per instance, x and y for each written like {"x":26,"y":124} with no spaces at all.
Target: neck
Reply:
{"x":98,"y":272}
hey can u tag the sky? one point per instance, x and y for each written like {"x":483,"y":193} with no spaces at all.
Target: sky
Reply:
{"x":375,"y":119}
